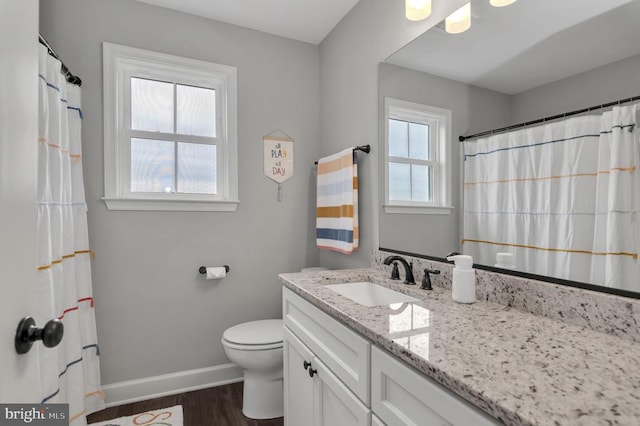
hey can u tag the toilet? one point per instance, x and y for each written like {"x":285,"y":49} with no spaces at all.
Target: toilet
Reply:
{"x":256,"y":347}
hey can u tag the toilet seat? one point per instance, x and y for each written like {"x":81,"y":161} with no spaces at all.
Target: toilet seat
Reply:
{"x":240,"y":347}
{"x":255,"y":335}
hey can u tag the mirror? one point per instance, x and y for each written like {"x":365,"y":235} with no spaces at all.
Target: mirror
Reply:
{"x":523,"y":62}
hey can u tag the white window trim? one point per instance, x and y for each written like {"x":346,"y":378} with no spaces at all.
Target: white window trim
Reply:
{"x":410,"y":111}
{"x":118,"y":61}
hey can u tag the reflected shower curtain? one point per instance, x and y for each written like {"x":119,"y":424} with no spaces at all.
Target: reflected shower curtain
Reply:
{"x":70,"y":372}
{"x":562,"y":197}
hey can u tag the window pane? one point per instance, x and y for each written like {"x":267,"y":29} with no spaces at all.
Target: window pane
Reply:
{"x":398,"y":138}
{"x":420,"y":183}
{"x":196,"y":111}
{"x":419,"y":141}
{"x":151,"y":105}
{"x":196,"y":168}
{"x":399,"y":182}
{"x":152,"y":166}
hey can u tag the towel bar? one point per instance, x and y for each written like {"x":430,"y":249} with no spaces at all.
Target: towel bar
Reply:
{"x":364,"y":148}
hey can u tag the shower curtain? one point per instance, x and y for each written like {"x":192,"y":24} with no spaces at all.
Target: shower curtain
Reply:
{"x":70,"y":372}
{"x":562,"y":197}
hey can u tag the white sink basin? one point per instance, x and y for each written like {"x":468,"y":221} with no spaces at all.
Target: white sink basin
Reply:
{"x":370,"y":294}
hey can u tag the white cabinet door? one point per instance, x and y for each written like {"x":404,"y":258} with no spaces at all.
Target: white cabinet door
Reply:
{"x":298,"y":386}
{"x":335,"y":404}
{"x":319,"y":398}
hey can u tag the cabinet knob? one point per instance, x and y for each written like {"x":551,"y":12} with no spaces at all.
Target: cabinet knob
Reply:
{"x":312,"y":371}
{"x":306,"y":365}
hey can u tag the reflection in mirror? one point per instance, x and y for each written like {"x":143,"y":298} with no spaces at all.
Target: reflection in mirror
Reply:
{"x":530,"y":60}
{"x":409,"y":327}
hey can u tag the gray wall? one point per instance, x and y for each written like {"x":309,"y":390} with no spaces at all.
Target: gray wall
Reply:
{"x":155,"y":313}
{"x":608,"y":83}
{"x":349,"y":58}
{"x":473,"y":109}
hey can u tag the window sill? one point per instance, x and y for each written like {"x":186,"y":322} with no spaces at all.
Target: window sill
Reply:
{"x":133,"y":204}
{"x":399,"y":209}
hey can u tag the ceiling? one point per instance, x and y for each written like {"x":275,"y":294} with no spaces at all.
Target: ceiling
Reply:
{"x":304,"y":20}
{"x":509,"y":49}
{"x":527,"y":44}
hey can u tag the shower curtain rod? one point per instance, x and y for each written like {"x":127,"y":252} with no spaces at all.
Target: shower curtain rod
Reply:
{"x":542,"y":120}
{"x":72,"y":79}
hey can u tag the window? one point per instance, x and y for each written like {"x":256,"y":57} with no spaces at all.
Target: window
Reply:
{"x":417,"y":158}
{"x":170,"y":135}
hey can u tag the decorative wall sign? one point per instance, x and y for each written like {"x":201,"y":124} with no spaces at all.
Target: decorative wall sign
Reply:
{"x":278,"y":157}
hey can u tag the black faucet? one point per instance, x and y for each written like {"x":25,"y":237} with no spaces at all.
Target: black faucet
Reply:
{"x":408,"y":268}
{"x":426,"y":281}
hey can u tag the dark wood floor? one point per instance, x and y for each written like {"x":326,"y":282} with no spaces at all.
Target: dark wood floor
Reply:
{"x":219,"y":406}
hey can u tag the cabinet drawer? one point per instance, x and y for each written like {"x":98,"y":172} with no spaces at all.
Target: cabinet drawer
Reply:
{"x":340,"y":349}
{"x":400,"y":395}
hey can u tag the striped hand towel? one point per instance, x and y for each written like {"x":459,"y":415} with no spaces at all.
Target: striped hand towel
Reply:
{"x":337,"y":203}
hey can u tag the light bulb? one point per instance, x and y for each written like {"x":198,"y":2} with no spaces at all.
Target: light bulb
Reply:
{"x":459,"y":21}
{"x":500,"y":3}
{"x":417,"y":10}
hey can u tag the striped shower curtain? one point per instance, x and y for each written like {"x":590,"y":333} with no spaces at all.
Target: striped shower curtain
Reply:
{"x":562,"y":197}
{"x":70,"y":372}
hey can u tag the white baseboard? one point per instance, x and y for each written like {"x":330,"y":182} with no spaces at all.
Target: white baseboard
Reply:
{"x":170,"y":384}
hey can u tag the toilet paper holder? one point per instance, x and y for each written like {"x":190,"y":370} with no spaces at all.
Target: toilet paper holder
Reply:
{"x":203,"y":269}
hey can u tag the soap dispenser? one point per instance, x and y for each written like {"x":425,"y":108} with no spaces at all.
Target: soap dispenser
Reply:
{"x":505,"y":260}
{"x":463,"y":287}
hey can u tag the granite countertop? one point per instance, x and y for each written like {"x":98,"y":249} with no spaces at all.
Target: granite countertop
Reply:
{"x":520,"y":368}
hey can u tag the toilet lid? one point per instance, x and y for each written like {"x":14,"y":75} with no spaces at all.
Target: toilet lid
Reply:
{"x":262,"y":332}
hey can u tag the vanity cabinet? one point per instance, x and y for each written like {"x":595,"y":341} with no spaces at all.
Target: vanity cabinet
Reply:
{"x":355,"y":383}
{"x":319,"y":398}
{"x":326,"y":368}
{"x":402,"y":396}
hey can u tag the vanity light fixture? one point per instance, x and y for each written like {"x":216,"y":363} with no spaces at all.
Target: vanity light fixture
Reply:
{"x":417,"y":10}
{"x":459,"y":21}
{"x":501,"y":3}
